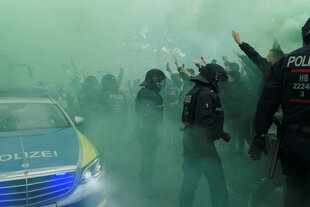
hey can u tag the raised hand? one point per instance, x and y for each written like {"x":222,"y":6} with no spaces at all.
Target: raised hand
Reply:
{"x":225,"y":58}
{"x":204,"y":59}
{"x":197,"y":63}
{"x":236,"y":36}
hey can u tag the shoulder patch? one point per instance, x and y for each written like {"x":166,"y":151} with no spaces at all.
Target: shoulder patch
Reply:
{"x":219,"y":109}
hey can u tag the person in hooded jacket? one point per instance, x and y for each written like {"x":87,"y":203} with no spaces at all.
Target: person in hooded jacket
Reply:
{"x":203,"y":116}
{"x":288,"y":86}
{"x":149,"y":111}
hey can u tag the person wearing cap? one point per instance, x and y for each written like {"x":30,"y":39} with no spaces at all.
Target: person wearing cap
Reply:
{"x":288,"y":86}
{"x":149,"y":110}
{"x":203,"y":117}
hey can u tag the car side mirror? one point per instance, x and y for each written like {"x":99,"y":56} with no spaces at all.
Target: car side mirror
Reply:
{"x":78,"y":120}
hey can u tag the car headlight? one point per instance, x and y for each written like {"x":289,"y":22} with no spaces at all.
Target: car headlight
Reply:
{"x":93,"y":170}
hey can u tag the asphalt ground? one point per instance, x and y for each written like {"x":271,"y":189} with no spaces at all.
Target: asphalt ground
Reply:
{"x":242,"y":176}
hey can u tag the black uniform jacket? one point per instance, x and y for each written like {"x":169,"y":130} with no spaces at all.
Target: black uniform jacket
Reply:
{"x":208,"y":112}
{"x":207,"y":123}
{"x":149,"y":108}
{"x":288,"y":86}
{"x":260,"y":62}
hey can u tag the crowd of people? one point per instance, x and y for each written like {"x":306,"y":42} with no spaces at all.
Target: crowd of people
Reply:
{"x":106,"y":106}
{"x":190,"y":103}
{"x":142,"y":106}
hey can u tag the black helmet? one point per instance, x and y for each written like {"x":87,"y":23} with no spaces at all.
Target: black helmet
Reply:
{"x":109,"y":82}
{"x":211,"y":74}
{"x":90,"y":82}
{"x":153,"y":78}
{"x":305,"y":31}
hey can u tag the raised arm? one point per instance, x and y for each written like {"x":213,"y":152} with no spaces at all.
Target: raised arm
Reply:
{"x":260,"y":61}
{"x":176,"y":61}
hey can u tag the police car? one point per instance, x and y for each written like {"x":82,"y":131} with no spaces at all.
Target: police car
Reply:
{"x":44,"y":159}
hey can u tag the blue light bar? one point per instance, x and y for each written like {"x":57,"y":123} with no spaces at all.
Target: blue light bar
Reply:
{"x":61,"y":174}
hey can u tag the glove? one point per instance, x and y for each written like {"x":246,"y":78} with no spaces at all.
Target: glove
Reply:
{"x":226,"y":137}
{"x":216,"y":133}
{"x":257,"y":147}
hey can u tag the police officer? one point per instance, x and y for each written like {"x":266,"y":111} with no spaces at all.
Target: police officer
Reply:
{"x":149,"y":109}
{"x":112,"y":101}
{"x":112,"y":108}
{"x":288,"y":86}
{"x":88,"y":103}
{"x":203,"y":117}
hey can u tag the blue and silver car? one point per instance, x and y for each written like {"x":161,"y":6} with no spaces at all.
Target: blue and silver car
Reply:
{"x":44,"y":159}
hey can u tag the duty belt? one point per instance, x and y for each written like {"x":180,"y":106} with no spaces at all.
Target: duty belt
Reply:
{"x":299,"y":127}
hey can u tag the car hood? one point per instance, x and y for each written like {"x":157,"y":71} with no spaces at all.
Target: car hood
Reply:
{"x":38,"y":149}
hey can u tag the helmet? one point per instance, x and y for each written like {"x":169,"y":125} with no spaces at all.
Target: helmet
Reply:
{"x":210,"y":74}
{"x":153,"y":78}
{"x":90,"y":82}
{"x":305,"y":31}
{"x":109,"y":81}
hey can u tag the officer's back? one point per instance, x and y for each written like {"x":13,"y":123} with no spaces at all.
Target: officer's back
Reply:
{"x":112,"y":101}
{"x":208,"y":111}
{"x":149,"y":103}
{"x":149,"y":107}
{"x":203,"y":114}
{"x":296,"y":96}
{"x":288,"y":85}
{"x":203,"y":117}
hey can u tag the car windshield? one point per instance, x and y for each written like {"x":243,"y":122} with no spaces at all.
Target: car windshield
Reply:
{"x":30,"y":116}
